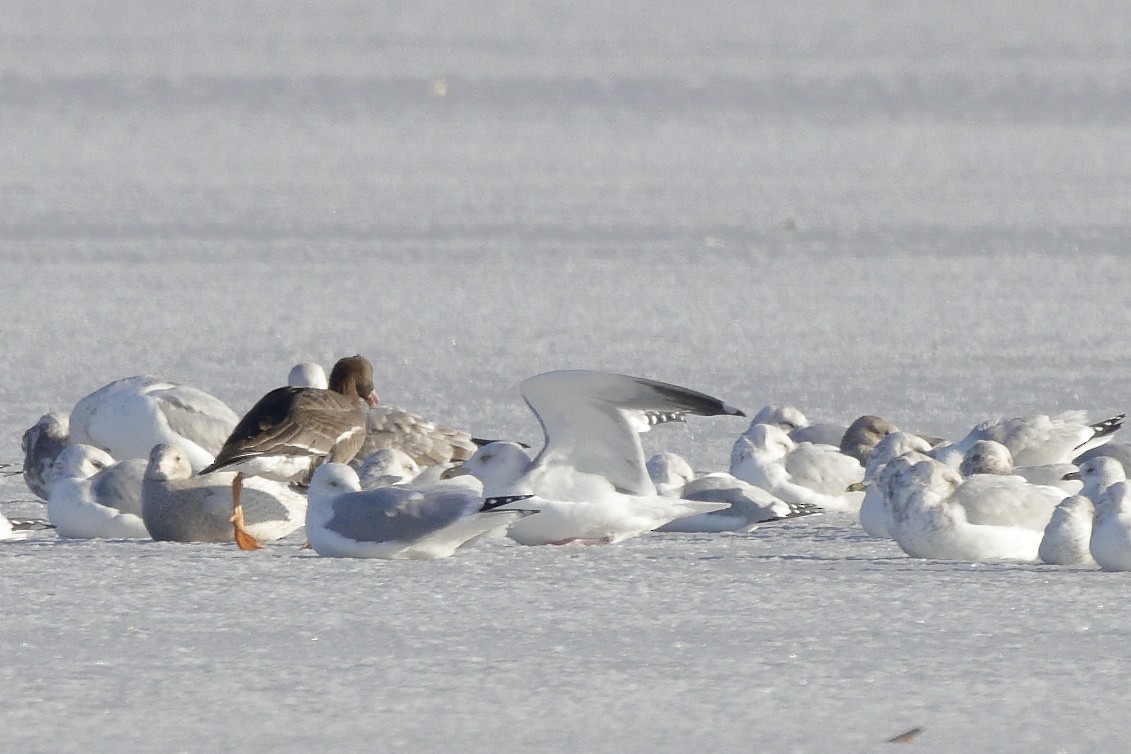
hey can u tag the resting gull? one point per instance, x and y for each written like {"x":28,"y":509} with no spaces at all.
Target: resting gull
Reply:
{"x":129,"y":416}
{"x":387,"y":467}
{"x":179,"y":507}
{"x":590,"y":481}
{"x":799,"y":428}
{"x":748,"y":506}
{"x":991,"y":457}
{"x":1042,"y":440}
{"x":875,"y":511}
{"x":935,"y":514}
{"x":415,"y":523}
{"x":804,"y":474}
{"x":93,"y":497}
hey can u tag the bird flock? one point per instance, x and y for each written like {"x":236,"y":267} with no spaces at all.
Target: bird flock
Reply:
{"x":146,"y":458}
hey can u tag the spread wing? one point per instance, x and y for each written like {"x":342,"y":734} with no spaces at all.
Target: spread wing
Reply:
{"x":591,"y":420}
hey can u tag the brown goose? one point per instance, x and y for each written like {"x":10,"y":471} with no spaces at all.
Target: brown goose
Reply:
{"x":293,"y":429}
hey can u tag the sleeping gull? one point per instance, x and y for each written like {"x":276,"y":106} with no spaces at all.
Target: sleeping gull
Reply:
{"x":128,"y":417}
{"x":748,"y":506}
{"x":291,"y":430}
{"x":804,"y":474}
{"x":179,"y":507}
{"x":1042,"y":440}
{"x":590,"y":480}
{"x":42,"y":444}
{"x":669,"y":472}
{"x":344,"y":521}
{"x":387,"y":467}
{"x":93,"y":497}
{"x":875,"y":512}
{"x":936,"y":514}
{"x":799,"y":428}
{"x":863,"y":435}
{"x":991,"y":457}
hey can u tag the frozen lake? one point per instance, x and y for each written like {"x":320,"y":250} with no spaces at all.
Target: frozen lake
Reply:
{"x":903,"y":211}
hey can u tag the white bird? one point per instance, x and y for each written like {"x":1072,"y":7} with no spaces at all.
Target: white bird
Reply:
{"x":804,"y":474}
{"x":1097,"y":474}
{"x":344,"y":521}
{"x":128,"y":417}
{"x":799,"y":428}
{"x":669,"y":472}
{"x":387,"y":467}
{"x":93,"y":497}
{"x":1105,"y":483}
{"x":1067,"y":537}
{"x":991,"y":457}
{"x":1042,"y":440}
{"x":875,"y":511}
{"x":590,"y":480}
{"x":935,"y":514}
{"x":748,"y":506}
{"x":42,"y":444}
{"x":308,"y":374}
{"x":179,"y":507}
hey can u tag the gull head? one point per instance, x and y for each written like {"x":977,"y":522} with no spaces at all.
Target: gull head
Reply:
{"x":167,"y":463}
{"x":331,"y":480}
{"x":308,"y":374}
{"x":862,"y":436}
{"x":769,"y":441}
{"x":784,"y":417}
{"x":987,"y":457}
{"x":499,"y":465}
{"x":669,"y":471}
{"x":387,"y":466}
{"x":1098,"y":474}
{"x":891,"y":447}
{"x":80,"y":462}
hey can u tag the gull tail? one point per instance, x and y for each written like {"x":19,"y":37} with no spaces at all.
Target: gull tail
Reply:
{"x":1103,"y":432}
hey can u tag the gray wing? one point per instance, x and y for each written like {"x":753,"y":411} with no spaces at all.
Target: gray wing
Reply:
{"x":819,"y":434}
{"x":427,"y":443}
{"x":753,"y":503}
{"x":590,"y":420}
{"x":390,"y":514}
{"x":198,"y":416}
{"x":120,"y":486}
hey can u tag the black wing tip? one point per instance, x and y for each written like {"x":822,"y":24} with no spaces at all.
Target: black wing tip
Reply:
{"x":796,"y":510}
{"x":495,"y":503}
{"x":1109,"y":426}
{"x":480,"y":442}
{"x":29,"y":524}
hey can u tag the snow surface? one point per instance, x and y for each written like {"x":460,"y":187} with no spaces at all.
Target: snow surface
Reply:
{"x":909,"y":211}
